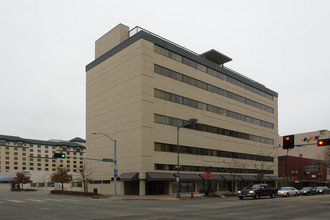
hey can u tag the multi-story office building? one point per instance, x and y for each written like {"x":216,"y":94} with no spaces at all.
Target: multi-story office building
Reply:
{"x":19,"y":154}
{"x":141,"y":88}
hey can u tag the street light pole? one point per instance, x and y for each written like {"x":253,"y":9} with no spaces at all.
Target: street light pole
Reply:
{"x":184,"y":123}
{"x":115,"y":166}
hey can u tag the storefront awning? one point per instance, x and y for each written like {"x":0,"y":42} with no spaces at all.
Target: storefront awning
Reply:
{"x":229,"y":177}
{"x":133,"y":176}
{"x":189,"y":177}
{"x":275,"y":178}
{"x":159,"y":176}
{"x":248,"y":177}
{"x":265,"y":179}
{"x":214,"y":177}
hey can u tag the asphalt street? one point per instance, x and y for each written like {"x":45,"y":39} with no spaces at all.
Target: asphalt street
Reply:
{"x":42,"y":205}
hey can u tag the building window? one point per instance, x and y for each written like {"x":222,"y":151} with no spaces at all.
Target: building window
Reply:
{"x":185,"y":186}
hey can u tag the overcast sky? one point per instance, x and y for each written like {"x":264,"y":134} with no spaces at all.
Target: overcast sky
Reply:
{"x":45,"y":46}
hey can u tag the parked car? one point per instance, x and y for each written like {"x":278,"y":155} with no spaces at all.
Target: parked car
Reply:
{"x":307,"y":191}
{"x":288,"y":191}
{"x":256,"y":191}
{"x":322,"y":190}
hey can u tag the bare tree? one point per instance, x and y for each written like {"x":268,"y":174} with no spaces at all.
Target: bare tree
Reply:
{"x":234,"y":167}
{"x":85,"y":172}
{"x":61,"y":176}
{"x":263,"y":163}
{"x":22,"y":179}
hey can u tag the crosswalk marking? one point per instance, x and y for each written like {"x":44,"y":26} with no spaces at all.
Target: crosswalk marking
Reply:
{"x":72,"y":200}
{"x":56,"y":200}
{"x":35,"y":200}
{"x":12,"y":200}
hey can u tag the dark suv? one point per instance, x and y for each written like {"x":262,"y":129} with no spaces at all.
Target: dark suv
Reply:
{"x":256,"y":191}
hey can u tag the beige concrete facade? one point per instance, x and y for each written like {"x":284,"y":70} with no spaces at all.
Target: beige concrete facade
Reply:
{"x":121,"y":101}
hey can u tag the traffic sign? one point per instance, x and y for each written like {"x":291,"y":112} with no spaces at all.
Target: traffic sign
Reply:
{"x":115,"y":171}
{"x":107,"y":160}
{"x":115,"y":175}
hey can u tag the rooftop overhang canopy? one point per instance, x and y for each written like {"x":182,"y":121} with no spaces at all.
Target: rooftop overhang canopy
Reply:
{"x":216,"y":57}
{"x":159,"y":176}
{"x":126,"y":177}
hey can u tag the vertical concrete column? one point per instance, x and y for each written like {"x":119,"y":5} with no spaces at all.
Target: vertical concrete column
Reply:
{"x":142,"y":186}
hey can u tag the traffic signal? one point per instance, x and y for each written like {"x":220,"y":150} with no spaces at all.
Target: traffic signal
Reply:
{"x":323,"y":142}
{"x":288,"y":142}
{"x":59,"y":155}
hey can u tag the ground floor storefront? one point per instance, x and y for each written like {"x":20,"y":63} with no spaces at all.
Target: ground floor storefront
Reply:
{"x":162,"y":183}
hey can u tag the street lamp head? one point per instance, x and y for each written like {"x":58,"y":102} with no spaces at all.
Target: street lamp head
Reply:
{"x":95,"y":132}
{"x":192,"y":120}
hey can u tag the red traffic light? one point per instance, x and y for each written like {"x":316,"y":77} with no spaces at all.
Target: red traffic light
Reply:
{"x":288,"y":142}
{"x":323,"y":142}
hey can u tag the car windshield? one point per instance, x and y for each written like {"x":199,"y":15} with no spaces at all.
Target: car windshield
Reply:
{"x":284,"y":188}
{"x":255,"y":186}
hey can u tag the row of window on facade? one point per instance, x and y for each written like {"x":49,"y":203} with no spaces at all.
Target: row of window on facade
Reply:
{"x":210,"y":152}
{"x":162,"y":119}
{"x":51,"y":184}
{"x":4,"y":143}
{"x":203,"y":85}
{"x":210,"y":71}
{"x":171,"y":167}
{"x":211,"y":108}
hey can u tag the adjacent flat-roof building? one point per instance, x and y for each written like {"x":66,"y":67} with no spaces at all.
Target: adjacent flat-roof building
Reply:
{"x":141,"y":87}
{"x":19,"y":154}
{"x":307,"y":163}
